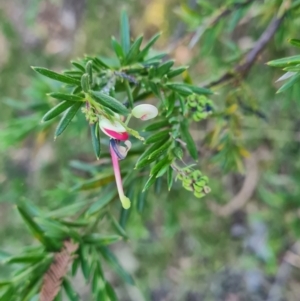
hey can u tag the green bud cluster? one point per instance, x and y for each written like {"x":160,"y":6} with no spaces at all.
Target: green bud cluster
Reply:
{"x":193,"y":180}
{"x":199,"y":106}
{"x":89,"y":115}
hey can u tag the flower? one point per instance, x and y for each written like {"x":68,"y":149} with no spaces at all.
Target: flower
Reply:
{"x":116,"y":151}
{"x":114,"y":129}
{"x":144,"y":111}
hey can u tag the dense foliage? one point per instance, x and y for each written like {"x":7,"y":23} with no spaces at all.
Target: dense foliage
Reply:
{"x":235,"y":237}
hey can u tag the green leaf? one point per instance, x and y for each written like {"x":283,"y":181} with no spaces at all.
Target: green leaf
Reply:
{"x":114,"y":263}
{"x":72,"y":295}
{"x":118,"y":49}
{"x":68,"y":97}
{"x":84,"y":256}
{"x":78,"y":66}
{"x":157,"y":167}
{"x":170,"y":103}
{"x":25,"y":258}
{"x":98,"y":62}
{"x":119,"y":229}
{"x":103,"y":201}
{"x":155,"y":89}
{"x":289,"y":83}
{"x":85,"y":82}
{"x":170,"y":177}
{"x":145,"y":50}
{"x":56,"y":76}
{"x":149,"y":183}
{"x":190,"y":144}
{"x":161,"y":135}
{"x":157,"y":125}
{"x":164,"y":68}
{"x":125,"y":32}
{"x":179,"y":88}
{"x":57,"y":110}
{"x":66,"y":119}
{"x":285,"y":62}
{"x":100,"y":239}
{"x":96,"y":139}
{"x":145,"y":156}
{"x":199,"y":90}
{"x":110,"y":292}
{"x":176,"y":71}
{"x":35,"y":228}
{"x":186,"y":89}
{"x":98,"y":283}
{"x":294,"y":42}
{"x":109,"y":102}
{"x":141,"y":200}
{"x":161,"y":150}
{"x":134,"y":51}
{"x":68,"y":210}
{"x":99,"y":181}
{"x":75,"y":266}
{"x":89,"y":71}
{"x":52,"y":228}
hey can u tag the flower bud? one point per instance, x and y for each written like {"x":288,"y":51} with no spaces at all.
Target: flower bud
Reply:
{"x":145,"y":111}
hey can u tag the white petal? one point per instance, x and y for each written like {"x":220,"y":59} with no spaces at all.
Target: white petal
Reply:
{"x":145,"y":111}
{"x":113,"y":126}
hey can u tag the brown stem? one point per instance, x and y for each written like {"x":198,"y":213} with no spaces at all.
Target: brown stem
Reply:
{"x":57,"y":270}
{"x":241,"y":70}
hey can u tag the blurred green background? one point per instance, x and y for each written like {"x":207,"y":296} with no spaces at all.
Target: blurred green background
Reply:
{"x":238,"y":243}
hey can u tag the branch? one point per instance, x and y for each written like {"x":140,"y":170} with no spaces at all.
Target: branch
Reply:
{"x":57,"y":270}
{"x":248,"y":188}
{"x":242,"y":69}
{"x":224,"y":12}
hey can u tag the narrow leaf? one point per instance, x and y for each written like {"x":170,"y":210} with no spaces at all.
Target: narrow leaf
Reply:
{"x":284,"y":62}
{"x":72,"y":295}
{"x":57,"y":110}
{"x":118,"y":49}
{"x":174,"y":72}
{"x":161,"y":135}
{"x":157,"y":125}
{"x":125,"y":32}
{"x":100,"y":239}
{"x":134,"y":50}
{"x":164,"y":68}
{"x":149,"y":183}
{"x":190,"y":144}
{"x":170,"y":177}
{"x":145,"y":50}
{"x":294,"y":42}
{"x":69,"y":97}
{"x":109,"y":102}
{"x":289,"y":83}
{"x":96,"y":139}
{"x":56,"y":76}
{"x":114,"y":263}
{"x":66,"y":119}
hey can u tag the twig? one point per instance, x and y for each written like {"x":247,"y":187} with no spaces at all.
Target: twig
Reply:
{"x":215,"y":19}
{"x":248,"y":188}
{"x":242,"y":69}
{"x":57,"y":270}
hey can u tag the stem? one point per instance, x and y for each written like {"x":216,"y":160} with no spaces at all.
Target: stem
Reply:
{"x":129,"y":94}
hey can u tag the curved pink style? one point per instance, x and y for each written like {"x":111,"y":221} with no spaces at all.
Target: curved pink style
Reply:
{"x":115,"y":161}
